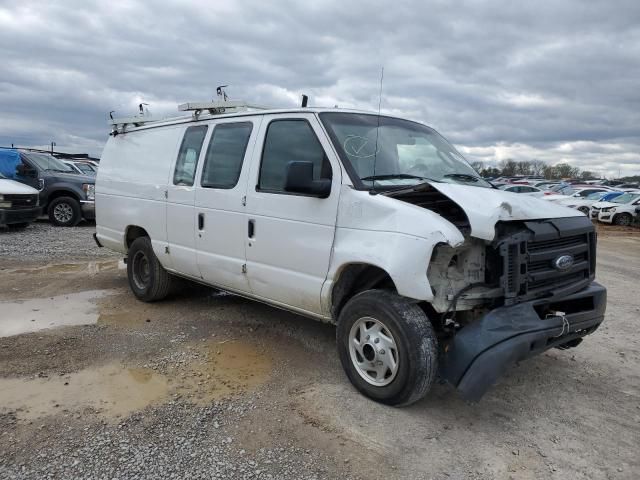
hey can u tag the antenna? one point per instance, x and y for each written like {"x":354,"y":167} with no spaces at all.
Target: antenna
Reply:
{"x":305,"y":99}
{"x":221,"y":93}
{"x":375,"y":152}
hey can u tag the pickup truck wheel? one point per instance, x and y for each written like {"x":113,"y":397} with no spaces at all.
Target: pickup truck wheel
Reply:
{"x":622,"y":219}
{"x":148,"y":279}
{"x":65,"y":212}
{"x":387,"y":347}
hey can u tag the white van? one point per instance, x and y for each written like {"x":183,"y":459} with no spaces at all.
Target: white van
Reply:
{"x":371,"y":222}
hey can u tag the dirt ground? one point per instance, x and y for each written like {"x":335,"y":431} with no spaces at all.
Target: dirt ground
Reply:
{"x":209,"y":385}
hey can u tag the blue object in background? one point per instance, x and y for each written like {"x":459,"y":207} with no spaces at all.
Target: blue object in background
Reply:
{"x":9,"y":160}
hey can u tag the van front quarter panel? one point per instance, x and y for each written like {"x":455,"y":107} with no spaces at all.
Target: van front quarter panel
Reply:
{"x":394,"y":236}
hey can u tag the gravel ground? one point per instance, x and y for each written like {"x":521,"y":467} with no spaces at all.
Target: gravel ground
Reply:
{"x":241,"y":390}
{"x":41,"y":241}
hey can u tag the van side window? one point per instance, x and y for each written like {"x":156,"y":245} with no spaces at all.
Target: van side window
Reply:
{"x":289,"y":141}
{"x":225,"y":154}
{"x":188,"y":155}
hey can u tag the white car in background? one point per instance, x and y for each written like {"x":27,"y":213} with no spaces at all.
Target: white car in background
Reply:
{"x":571,"y":191}
{"x":524,"y":189}
{"x":619,"y":211}
{"x":584,"y":204}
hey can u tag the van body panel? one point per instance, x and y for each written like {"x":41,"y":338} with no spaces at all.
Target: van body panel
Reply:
{"x":131,"y":185}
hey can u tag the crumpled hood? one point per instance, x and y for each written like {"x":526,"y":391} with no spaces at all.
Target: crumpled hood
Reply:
{"x":487,"y":206}
{"x":11,"y":187}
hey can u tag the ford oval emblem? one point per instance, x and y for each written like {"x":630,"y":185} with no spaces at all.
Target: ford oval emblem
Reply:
{"x":563,"y":262}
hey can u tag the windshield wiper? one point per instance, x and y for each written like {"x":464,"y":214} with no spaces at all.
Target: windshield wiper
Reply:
{"x":465,"y":176}
{"x":393,"y":176}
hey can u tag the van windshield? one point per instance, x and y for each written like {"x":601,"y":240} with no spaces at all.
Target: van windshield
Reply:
{"x":49,"y":162}
{"x":384,"y":152}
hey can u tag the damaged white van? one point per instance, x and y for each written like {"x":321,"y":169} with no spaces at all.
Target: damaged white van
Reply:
{"x":374,"y":223}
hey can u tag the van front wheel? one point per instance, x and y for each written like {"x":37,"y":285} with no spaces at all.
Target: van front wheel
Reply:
{"x":387,"y":347}
{"x":148,"y":279}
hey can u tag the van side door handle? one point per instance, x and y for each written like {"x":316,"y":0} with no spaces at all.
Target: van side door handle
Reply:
{"x":201,"y":221}
{"x":252,"y":228}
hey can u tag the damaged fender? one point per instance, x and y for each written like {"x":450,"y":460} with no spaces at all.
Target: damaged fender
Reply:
{"x":399,"y":239}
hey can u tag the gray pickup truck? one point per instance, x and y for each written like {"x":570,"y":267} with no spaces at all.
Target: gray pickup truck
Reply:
{"x":67,"y":197}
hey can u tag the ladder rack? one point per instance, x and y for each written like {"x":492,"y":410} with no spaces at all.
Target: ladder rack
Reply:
{"x":212,"y":108}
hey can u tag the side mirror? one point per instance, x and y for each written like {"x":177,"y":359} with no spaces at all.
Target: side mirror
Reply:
{"x":299,"y":179}
{"x":24,"y":171}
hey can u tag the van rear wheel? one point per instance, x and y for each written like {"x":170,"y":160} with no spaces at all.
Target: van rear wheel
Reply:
{"x":387,"y":347}
{"x":148,"y":279}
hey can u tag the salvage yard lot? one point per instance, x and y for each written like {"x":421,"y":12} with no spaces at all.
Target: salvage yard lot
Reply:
{"x":208,"y":385}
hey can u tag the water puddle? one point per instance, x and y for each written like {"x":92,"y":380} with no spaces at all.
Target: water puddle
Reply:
{"x":62,"y":268}
{"x":214,"y":370}
{"x":112,"y":390}
{"x":25,"y":316}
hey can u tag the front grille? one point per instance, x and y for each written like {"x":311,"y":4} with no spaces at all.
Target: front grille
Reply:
{"x":22,"y":201}
{"x":528,"y":253}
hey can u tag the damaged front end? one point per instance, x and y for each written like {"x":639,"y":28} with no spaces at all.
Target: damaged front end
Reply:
{"x":500,"y":300}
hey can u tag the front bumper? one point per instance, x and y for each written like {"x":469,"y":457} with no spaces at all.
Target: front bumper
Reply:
{"x":19,"y":215}
{"x":88,"y":208}
{"x":606,"y":217}
{"x":481,"y":352}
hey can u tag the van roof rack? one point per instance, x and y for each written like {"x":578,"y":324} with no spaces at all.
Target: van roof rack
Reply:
{"x":212,"y":108}
{"x":218,"y":108}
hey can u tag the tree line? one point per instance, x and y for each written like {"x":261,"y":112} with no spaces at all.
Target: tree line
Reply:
{"x":538,"y":168}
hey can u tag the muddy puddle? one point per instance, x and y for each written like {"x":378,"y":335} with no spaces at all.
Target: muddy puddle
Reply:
{"x":111,"y":390}
{"x":217,"y":370}
{"x":62,"y":268}
{"x":32,"y":315}
{"x":225,"y":368}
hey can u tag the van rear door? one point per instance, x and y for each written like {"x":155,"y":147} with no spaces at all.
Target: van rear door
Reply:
{"x":220,"y":202}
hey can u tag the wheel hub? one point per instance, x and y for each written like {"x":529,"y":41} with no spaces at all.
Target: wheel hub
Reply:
{"x":373,"y":351}
{"x":63,"y":212}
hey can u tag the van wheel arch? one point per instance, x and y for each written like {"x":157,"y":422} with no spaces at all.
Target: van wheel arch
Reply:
{"x":355,"y":278}
{"x":133,"y":232}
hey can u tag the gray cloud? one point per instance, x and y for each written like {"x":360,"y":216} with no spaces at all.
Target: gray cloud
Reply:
{"x":551,"y":80}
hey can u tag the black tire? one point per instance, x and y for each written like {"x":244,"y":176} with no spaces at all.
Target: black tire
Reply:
{"x":148,"y":279}
{"x":18,"y":226}
{"x":415,"y":341}
{"x":623,"y":219}
{"x":584,"y":210}
{"x":65,"y":212}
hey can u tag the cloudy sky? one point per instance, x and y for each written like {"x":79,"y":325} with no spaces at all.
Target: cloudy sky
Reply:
{"x":553,"y":80}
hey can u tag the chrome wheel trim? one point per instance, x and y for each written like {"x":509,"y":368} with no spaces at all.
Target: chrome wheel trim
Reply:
{"x":63,"y":212}
{"x":373,"y":351}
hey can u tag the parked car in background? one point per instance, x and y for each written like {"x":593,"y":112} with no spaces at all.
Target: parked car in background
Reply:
{"x":84,"y":168}
{"x":546,"y":185}
{"x":19,"y":204}
{"x":562,"y":192}
{"x":524,"y":189}
{"x":584,"y":204}
{"x":619,"y":211}
{"x":67,"y":197}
